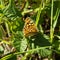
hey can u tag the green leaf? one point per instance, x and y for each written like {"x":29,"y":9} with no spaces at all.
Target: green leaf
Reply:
{"x":57,"y":36}
{"x":10,"y":11}
{"x":23,"y":45}
{"x":39,"y":40}
{"x":2,"y":32}
{"x":20,"y":42}
{"x":44,"y":52}
{"x":9,"y":57}
{"x":1,"y":49}
{"x":56,"y":44}
{"x":14,"y":57}
{"x":56,"y":18}
{"x":59,"y":46}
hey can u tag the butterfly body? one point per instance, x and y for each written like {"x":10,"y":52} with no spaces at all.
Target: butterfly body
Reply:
{"x":29,"y":28}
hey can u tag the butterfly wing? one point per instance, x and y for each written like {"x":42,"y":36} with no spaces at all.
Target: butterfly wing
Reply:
{"x":29,"y":28}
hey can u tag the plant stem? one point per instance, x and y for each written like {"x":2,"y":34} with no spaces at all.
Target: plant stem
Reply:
{"x":38,"y":14}
{"x":51,"y":27}
{"x":2,"y":2}
{"x":32,"y":50}
{"x":6,"y":24}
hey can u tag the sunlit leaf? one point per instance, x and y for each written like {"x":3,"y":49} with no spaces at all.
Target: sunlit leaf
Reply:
{"x":1,"y":49}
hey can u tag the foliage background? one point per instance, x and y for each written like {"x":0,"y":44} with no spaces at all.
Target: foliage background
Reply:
{"x":13,"y":43}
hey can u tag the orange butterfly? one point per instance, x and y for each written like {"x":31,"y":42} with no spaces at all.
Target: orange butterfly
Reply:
{"x":30,"y":28}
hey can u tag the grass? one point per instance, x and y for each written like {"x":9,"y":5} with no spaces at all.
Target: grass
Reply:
{"x":12,"y":40}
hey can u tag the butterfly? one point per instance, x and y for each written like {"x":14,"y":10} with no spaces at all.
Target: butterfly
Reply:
{"x":29,"y":28}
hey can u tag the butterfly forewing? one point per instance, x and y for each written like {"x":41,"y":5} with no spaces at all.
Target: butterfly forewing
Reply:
{"x":29,"y":28}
